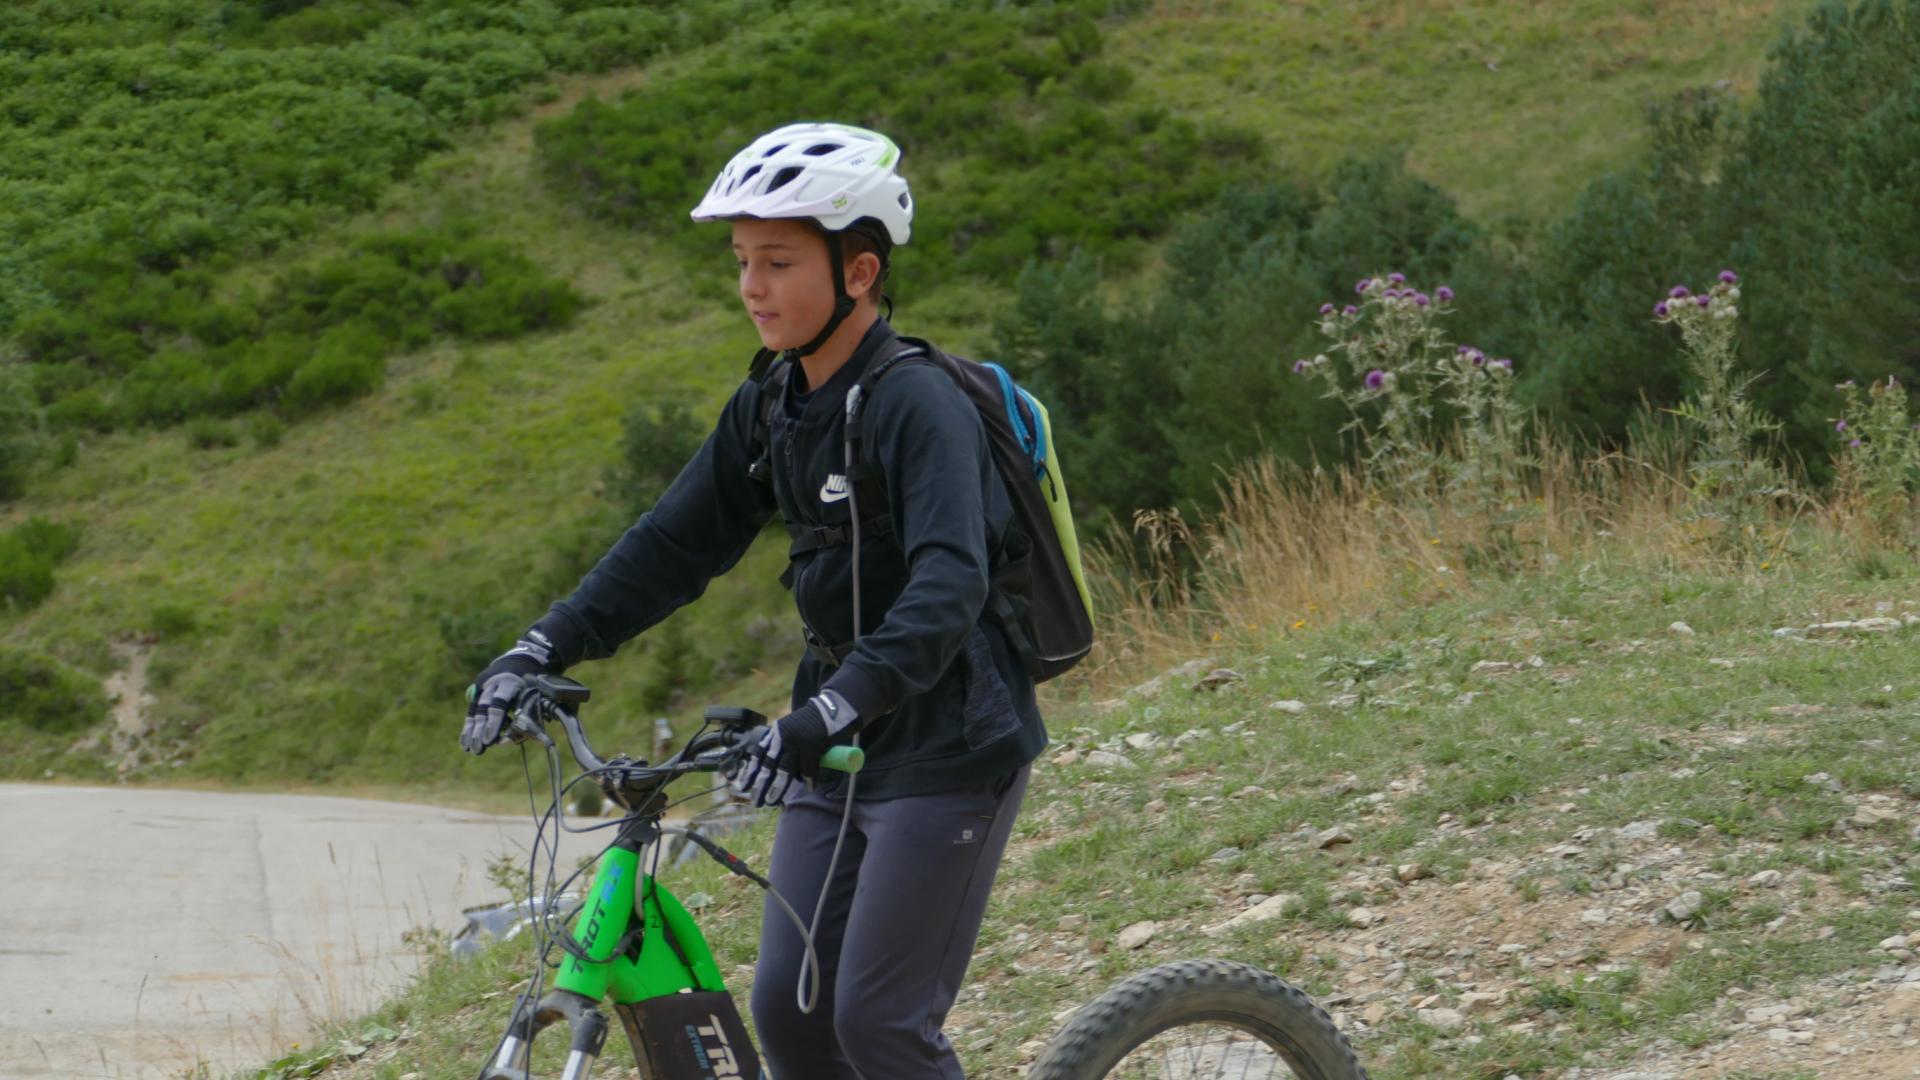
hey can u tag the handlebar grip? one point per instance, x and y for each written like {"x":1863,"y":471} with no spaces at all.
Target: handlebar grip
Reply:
{"x":846,"y":759}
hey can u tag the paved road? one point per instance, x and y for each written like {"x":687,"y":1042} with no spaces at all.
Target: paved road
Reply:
{"x":141,"y":930}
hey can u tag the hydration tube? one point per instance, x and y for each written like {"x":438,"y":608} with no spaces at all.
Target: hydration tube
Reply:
{"x":807,"y":993}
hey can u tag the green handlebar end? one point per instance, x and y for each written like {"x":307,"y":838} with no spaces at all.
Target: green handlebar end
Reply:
{"x":846,"y":759}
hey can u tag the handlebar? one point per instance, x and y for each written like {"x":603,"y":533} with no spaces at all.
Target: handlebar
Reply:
{"x":548,"y":699}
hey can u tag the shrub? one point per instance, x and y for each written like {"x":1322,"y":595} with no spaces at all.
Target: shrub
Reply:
{"x":206,"y":433}
{"x":50,"y":538}
{"x":674,"y":665}
{"x":87,"y":409}
{"x":347,"y":364}
{"x":513,"y":299}
{"x":28,"y":554}
{"x":661,"y":437}
{"x":1050,"y":149}
{"x":320,"y":336}
{"x":1821,"y":202}
{"x":245,"y":126}
{"x":44,"y":696}
{"x":172,"y":621}
{"x":474,"y":638}
{"x":242,"y":128}
{"x":19,"y":426}
{"x":26,"y":578}
{"x":266,"y":430}
{"x":1811,"y":189}
{"x":1164,"y":394}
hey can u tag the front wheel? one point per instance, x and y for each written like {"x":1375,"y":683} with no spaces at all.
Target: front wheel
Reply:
{"x":1194,"y":1019}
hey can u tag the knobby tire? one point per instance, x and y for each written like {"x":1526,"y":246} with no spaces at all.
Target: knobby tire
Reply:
{"x":1221,"y":992}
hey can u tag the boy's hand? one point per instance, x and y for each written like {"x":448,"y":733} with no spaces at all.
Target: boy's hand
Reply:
{"x":762,"y":776}
{"x":495,"y":690}
{"x":790,"y":750}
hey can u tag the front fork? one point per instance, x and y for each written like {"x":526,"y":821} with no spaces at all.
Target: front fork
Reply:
{"x":664,"y":954}
{"x":513,"y":1062}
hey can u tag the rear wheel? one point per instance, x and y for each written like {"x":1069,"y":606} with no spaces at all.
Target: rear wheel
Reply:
{"x":1200,"y":1019}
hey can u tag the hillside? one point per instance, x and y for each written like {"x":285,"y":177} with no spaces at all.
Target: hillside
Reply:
{"x":1615,"y":819}
{"x":1607,"y":777}
{"x":289,"y":600}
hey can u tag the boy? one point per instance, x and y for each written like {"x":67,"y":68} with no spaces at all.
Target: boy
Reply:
{"x":944,"y":709}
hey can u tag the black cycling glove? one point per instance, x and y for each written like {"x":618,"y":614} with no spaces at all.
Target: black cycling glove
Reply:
{"x":789,"y":750}
{"x":496,"y":689}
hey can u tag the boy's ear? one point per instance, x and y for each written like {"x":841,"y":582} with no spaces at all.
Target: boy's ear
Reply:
{"x":863,"y":276}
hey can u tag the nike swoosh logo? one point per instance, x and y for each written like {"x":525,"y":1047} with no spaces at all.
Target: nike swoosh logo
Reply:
{"x":834,"y":490}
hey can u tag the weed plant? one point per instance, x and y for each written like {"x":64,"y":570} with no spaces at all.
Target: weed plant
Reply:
{"x":1734,"y":486}
{"x":1434,"y":420}
{"x":1879,"y":458}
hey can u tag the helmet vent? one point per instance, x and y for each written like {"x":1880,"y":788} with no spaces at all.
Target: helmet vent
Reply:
{"x":744,"y":177}
{"x":774,"y":150}
{"x":819,"y":149}
{"x":783,"y":178}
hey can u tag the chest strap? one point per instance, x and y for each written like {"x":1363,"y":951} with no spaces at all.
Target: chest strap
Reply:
{"x":810,"y":538}
{"x":825,"y":651}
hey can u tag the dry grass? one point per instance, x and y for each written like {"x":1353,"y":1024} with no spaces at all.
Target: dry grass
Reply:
{"x":1294,"y":548}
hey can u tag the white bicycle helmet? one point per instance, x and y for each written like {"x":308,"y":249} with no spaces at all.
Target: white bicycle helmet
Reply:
{"x":833,"y":174}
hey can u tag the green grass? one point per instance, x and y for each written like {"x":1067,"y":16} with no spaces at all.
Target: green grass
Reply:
{"x":316,"y":560}
{"x":1691,"y":742}
{"x":1510,"y":108}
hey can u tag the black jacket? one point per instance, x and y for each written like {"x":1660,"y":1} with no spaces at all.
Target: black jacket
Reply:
{"x":944,"y":703}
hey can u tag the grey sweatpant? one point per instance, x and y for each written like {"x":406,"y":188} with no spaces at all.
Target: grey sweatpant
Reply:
{"x":902,"y":913}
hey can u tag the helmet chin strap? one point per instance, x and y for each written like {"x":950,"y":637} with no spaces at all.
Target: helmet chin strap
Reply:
{"x":842,"y":303}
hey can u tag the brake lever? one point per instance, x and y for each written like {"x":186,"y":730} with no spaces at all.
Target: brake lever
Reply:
{"x":522,"y":729}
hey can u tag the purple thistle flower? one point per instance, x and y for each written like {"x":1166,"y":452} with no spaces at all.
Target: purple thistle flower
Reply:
{"x":1855,"y":444}
{"x":1376,"y":379}
{"x":1326,"y":309}
{"x":1391,"y":294}
{"x":1504,"y":364}
{"x":1299,"y":367}
{"x":1477,"y":358}
{"x":1397,"y":278}
{"x":1839,"y":425}
{"x":1443,"y":294}
{"x":1729,"y":276}
{"x":1420,"y":298}
{"x":1679,"y":292}
{"x":1349,"y":310}
{"x":1660,"y":309}
{"x":1464,"y":350}
{"x":1363,"y":285}
{"x":1703,"y":300}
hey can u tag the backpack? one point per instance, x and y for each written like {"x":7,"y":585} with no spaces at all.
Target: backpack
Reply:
{"x":1038,"y":592}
